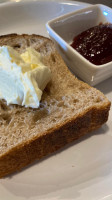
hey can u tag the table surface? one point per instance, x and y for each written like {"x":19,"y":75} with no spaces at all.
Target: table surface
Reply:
{"x":105,"y":2}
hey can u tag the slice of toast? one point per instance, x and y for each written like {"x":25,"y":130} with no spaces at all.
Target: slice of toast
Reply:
{"x":68,"y":110}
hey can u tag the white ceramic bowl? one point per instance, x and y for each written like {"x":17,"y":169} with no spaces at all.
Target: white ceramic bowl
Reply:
{"x":63,"y":29}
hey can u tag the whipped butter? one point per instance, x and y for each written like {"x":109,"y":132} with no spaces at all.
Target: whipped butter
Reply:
{"x":22,"y":77}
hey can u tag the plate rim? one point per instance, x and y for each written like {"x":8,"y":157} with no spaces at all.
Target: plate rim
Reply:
{"x":21,"y":2}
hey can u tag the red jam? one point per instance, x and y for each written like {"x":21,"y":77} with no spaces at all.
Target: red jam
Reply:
{"x":95,"y":44}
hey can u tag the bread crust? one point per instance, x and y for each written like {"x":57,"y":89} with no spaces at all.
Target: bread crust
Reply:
{"x":60,"y":135}
{"x":52,"y":140}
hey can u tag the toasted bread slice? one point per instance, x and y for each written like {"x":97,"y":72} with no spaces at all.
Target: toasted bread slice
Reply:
{"x":68,"y":110}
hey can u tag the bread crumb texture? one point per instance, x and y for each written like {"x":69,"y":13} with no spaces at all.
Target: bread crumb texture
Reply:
{"x":64,"y":98}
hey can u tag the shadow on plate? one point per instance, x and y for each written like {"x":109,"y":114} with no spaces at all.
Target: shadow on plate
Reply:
{"x":105,"y":86}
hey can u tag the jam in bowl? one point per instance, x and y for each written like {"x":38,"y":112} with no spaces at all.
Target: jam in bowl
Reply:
{"x":95,"y":44}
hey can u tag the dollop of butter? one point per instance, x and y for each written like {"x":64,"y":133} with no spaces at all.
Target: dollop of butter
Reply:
{"x":23,"y":77}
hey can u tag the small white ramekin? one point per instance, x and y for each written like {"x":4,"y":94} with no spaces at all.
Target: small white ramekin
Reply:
{"x":63,"y":29}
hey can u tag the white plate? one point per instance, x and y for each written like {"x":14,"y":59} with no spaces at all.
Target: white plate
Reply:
{"x":82,"y":171}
